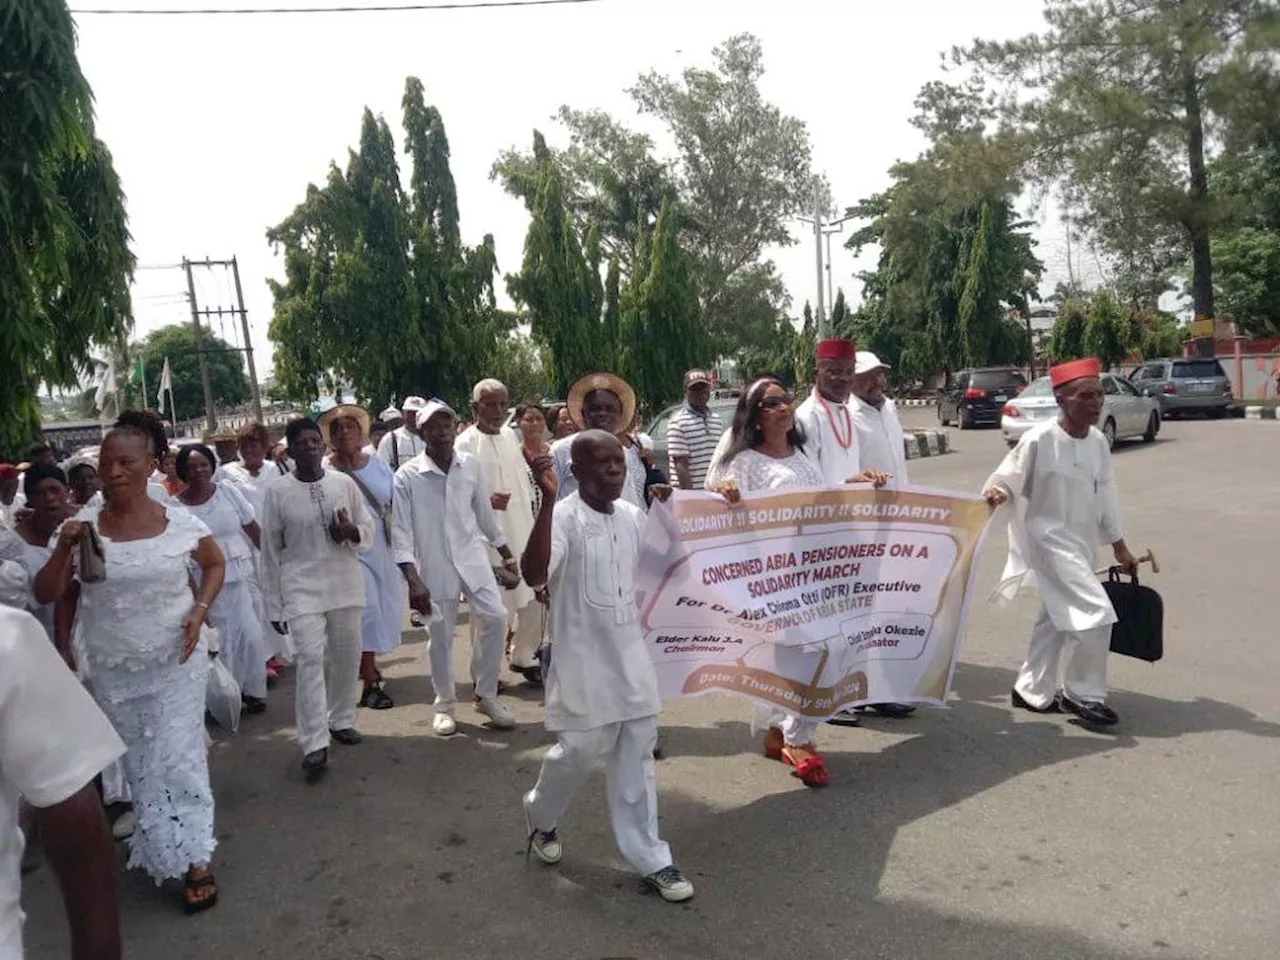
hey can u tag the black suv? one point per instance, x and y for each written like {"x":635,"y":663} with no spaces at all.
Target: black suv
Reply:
{"x":976,"y":397}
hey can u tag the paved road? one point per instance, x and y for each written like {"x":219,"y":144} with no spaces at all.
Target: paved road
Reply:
{"x":969,"y":832}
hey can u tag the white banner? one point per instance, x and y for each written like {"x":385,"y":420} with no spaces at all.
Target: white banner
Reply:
{"x":812,"y":600}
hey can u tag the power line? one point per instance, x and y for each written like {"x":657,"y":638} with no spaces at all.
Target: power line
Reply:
{"x":377,"y":8}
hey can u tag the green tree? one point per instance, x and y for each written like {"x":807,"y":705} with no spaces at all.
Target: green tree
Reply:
{"x":518,"y":363}
{"x":662,"y":331}
{"x":1109,"y":331}
{"x":380,"y":293}
{"x":178,"y":344}
{"x":65,"y":264}
{"x":1067,"y":340}
{"x":740,"y":170}
{"x":557,"y":287}
{"x":1246,"y":246}
{"x":1117,"y":101}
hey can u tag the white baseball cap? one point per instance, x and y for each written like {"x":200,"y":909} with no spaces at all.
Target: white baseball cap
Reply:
{"x":389,"y":414}
{"x":865,"y":361}
{"x":429,"y":410}
{"x":412,"y":403}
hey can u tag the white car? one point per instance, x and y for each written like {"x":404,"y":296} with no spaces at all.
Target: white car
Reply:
{"x":1125,"y":413}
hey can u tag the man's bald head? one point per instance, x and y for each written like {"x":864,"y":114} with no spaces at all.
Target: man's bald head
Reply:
{"x":585,"y":442}
{"x":600,"y":464}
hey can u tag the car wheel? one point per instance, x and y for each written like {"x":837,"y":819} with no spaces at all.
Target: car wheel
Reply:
{"x":1217,"y":413}
{"x":1109,"y":431}
{"x":1153,"y":427}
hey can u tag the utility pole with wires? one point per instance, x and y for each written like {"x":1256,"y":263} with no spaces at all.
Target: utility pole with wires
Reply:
{"x":822,"y":230}
{"x":219,"y":312}
{"x":211,"y":421}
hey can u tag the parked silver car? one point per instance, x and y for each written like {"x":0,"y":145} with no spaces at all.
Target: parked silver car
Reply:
{"x":1185,"y":385}
{"x":1125,"y":412}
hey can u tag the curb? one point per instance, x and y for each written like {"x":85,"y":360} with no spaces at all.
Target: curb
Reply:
{"x":926,"y":443}
{"x":1260,"y":413}
{"x":915,"y":403}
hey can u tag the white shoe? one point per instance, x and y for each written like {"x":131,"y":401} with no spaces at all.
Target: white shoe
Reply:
{"x":671,"y":884}
{"x":444,"y":725}
{"x":500,"y":718}
{"x":544,"y":843}
{"x":124,"y":825}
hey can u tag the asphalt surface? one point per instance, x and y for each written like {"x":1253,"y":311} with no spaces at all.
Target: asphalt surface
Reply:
{"x":967,"y":832}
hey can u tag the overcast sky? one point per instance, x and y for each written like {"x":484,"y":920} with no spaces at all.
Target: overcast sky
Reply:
{"x":218,"y":123}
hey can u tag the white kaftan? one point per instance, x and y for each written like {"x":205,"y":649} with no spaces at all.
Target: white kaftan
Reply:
{"x":440,"y":523}
{"x":129,"y":640}
{"x":53,"y":741}
{"x":399,"y":447}
{"x":831,"y":441}
{"x":601,"y":691}
{"x":253,"y":486}
{"x":1062,"y":503}
{"x":242,"y":646}
{"x":753,"y":471}
{"x":383,"y":617}
{"x":506,"y":471}
{"x":880,"y":440}
{"x":304,"y":571}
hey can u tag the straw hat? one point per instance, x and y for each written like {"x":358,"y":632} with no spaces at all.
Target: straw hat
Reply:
{"x":602,"y":381}
{"x":358,"y":414}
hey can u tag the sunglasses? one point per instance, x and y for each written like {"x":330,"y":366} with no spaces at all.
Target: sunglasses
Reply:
{"x":774,"y":403}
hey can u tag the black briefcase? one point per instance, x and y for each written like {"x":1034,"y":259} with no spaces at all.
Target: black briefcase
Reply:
{"x":1139,"y":628}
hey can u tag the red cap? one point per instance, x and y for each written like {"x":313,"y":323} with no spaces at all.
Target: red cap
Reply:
{"x":1064,"y":373}
{"x":835,"y":350}
{"x":7,"y":470}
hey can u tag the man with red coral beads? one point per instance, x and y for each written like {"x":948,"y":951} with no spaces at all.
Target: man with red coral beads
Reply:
{"x":1059,"y":482}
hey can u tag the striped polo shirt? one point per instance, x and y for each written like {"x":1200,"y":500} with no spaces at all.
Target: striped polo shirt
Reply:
{"x":693,"y":435}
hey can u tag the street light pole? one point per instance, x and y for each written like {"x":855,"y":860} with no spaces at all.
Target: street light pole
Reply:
{"x":823,"y":331}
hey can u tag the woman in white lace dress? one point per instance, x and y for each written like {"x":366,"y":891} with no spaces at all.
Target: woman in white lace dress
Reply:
{"x":139,"y":636}
{"x":766,"y":452}
{"x":230,"y":518}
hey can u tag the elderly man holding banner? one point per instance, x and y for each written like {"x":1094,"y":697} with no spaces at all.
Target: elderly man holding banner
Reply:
{"x":1060,"y":484}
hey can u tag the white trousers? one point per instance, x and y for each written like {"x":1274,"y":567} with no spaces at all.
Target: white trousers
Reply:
{"x":488,"y":640}
{"x":625,"y":751}
{"x":1075,"y":663}
{"x":327,"y":651}
{"x":525,"y":628}
{"x":796,"y":731}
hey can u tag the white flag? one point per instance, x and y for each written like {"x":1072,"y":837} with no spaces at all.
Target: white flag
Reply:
{"x":166,"y":383}
{"x":106,"y":385}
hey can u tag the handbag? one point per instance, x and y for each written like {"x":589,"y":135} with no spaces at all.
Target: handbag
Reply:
{"x":1139,"y":628}
{"x":92,"y":562}
{"x":383,"y":513}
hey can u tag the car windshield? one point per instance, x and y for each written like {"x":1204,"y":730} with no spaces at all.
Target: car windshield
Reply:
{"x":1191,"y":369}
{"x":1039,"y":388}
{"x":995,"y":379}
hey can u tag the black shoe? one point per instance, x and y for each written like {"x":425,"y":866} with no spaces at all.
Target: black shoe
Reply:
{"x":348,"y":737}
{"x":532,"y":675}
{"x":847,"y":717}
{"x":1016,"y":698}
{"x":252,"y":704}
{"x":315,"y":763}
{"x":376,"y":698}
{"x":659,"y":748}
{"x":894,"y":711}
{"x":1091,"y":713}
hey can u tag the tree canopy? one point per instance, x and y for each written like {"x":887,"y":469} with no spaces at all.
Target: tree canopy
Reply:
{"x":1121,"y":103}
{"x":65,"y":264}
{"x":380,"y":292}
{"x":179,"y":345}
{"x":739,"y":171}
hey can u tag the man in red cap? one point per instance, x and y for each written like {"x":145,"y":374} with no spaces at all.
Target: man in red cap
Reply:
{"x":830,"y":439}
{"x":1060,"y":485}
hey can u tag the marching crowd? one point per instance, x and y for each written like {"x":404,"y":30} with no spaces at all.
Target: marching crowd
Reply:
{"x":139,"y":569}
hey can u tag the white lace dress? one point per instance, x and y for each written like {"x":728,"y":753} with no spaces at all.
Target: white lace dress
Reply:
{"x":753,"y":471}
{"x":130,"y":640}
{"x":242,"y":646}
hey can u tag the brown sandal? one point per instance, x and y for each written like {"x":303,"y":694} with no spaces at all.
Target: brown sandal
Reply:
{"x":193,"y":884}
